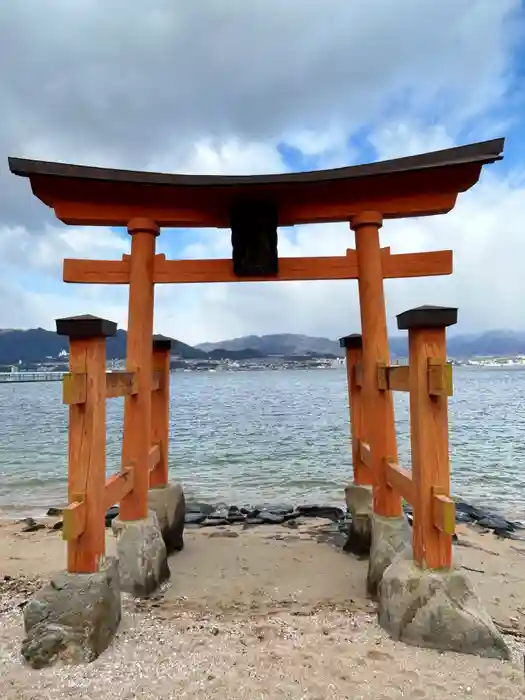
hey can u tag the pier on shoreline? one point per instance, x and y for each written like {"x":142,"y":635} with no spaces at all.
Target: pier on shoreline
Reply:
{"x":23,"y":377}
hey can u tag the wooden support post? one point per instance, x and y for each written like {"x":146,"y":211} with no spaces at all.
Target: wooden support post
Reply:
{"x":353,"y":345}
{"x":426,"y":325}
{"x":378,"y":405}
{"x":84,"y":520}
{"x":160,"y":408}
{"x":137,"y":407}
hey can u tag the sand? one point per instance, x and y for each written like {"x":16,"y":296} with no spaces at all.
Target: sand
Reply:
{"x":268,"y":612}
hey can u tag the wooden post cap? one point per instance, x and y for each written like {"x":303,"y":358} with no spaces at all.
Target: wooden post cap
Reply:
{"x":366,"y":218}
{"x":85,"y":327}
{"x":142,"y":224}
{"x":427,"y":317}
{"x":162,"y":342}
{"x":351,"y":342}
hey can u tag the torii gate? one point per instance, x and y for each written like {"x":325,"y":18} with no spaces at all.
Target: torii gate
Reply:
{"x":254,"y":207}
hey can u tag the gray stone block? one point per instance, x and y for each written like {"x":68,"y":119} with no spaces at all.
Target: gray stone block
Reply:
{"x":359,"y":503}
{"x":437,"y":610}
{"x":73,"y":618}
{"x":169,"y":505}
{"x":391,"y":537}
{"x":142,"y":557}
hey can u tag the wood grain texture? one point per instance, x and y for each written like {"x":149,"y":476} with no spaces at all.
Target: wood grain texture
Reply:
{"x":290,"y":269}
{"x":87,"y":459}
{"x":121,"y":383}
{"x":430,"y":458}
{"x":160,"y":416}
{"x":400,"y":480}
{"x":362,"y":474}
{"x":378,"y":405}
{"x":118,"y":486}
{"x":137,"y":407}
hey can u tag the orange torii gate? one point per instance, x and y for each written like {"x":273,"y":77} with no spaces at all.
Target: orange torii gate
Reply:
{"x":253,"y":207}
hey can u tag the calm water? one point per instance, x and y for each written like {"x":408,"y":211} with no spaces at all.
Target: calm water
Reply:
{"x":252,"y":436}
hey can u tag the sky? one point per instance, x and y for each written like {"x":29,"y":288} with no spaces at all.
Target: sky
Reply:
{"x":263,"y":86}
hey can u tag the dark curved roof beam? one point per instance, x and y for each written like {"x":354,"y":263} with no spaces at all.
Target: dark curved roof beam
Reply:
{"x":412,"y":186}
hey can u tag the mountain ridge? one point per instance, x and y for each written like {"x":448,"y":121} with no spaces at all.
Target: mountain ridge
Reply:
{"x":35,"y":345}
{"x":490,"y":343}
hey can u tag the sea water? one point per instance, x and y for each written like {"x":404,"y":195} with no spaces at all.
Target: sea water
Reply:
{"x":280,"y":436}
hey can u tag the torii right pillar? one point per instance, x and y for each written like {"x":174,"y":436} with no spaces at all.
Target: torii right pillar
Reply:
{"x":390,"y":528}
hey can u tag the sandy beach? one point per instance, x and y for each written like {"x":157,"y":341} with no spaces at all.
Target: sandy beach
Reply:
{"x":265,"y":612}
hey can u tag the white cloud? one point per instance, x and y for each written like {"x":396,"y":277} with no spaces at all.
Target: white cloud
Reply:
{"x":223,"y":157}
{"x":202,"y":87}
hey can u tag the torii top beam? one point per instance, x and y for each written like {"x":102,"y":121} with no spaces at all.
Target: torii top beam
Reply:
{"x":414,"y":186}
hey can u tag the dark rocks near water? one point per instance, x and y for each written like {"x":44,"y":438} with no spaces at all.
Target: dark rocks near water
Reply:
{"x":473,"y":515}
{"x":202,"y":514}
{"x":54,"y":512}
{"x":494,"y":522}
{"x":194,"y":518}
{"x":329,"y":512}
{"x":111,"y":514}
{"x":199,"y":507}
{"x":469,"y":512}
{"x":31,"y":525}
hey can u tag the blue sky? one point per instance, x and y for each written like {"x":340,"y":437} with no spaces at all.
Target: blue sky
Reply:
{"x":283,"y":86}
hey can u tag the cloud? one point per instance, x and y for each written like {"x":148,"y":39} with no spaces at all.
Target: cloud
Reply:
{"x":222,"y":87}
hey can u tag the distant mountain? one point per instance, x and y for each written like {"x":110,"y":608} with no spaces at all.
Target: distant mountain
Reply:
{"x":37,"y":344}
{"x":487,"y":344}
{"x":498,"y":343}
{"x":280,"y":344}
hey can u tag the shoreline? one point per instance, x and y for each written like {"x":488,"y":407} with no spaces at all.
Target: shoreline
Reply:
{"x":466,"y":513}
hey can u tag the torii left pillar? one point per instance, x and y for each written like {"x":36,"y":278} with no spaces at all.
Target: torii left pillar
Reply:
{"x":390,"y":529}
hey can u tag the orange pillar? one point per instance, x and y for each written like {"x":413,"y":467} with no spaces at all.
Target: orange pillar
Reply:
{"x":160,"y":408}
{"x":429,"y":428}
{"x":353,"y":345}
{"x":137,"y":407}
{"x":87,"y":437}
{"x":378,"y":405}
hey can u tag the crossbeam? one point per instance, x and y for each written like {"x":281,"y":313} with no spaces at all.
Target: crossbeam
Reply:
{"x":118,"y":383}
{"x":118,"y":486}
{"x":399,"y":265}
{"x":400,"y":479}
{"x":443,"y":507}
{"x":397,"y":378}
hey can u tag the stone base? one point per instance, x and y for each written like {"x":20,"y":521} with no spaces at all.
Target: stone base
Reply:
{"x":73,"y":618}
{"x":390,"y":538}
{"x":359,"y":505}
{"x":143,"y":563}
{"x":169,"y":505}
{"x":437,"y":610}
